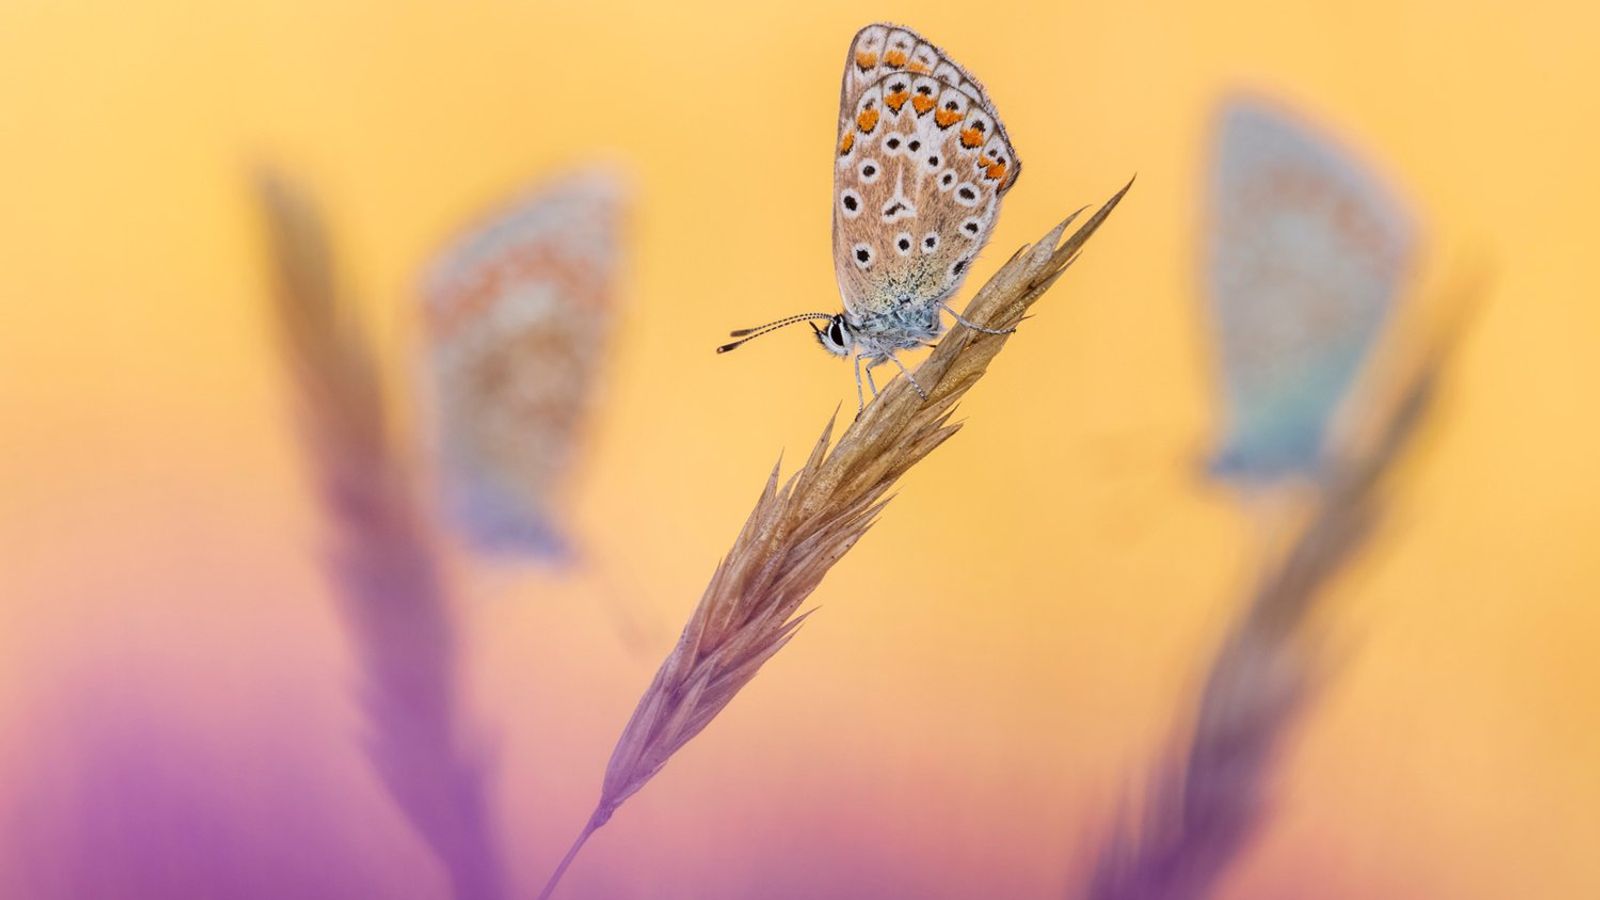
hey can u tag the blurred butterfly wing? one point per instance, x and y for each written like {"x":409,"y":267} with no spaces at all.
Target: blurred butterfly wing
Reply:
{"x":922,"y":163}
{"x":518,"y":314}
{"x":1307,"y":255}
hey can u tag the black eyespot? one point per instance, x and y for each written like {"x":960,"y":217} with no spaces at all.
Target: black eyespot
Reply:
{"x":925,"y":89}
{"x":948,"y":177}
{"x":960,"y":265}
{"x":971,"y":227}
{"x":978,"y":124}
{"x":904,"y":244}
{"x":914,"y":146}
{"x":894,"y":143}
{"x":850,"y":202}
{"x":933,"y":160}
{"x":952,"y":105}
{"x":967,"y":194}
{"x":864,"y":254}
{"x":868,"y":171}
{"x":897,"y":88}
{"x":930,"y":241}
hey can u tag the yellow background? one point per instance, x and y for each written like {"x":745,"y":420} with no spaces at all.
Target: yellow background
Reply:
{"x":994,"y":666}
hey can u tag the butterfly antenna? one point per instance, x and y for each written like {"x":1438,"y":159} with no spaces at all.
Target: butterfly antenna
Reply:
{"x":746,"y":335}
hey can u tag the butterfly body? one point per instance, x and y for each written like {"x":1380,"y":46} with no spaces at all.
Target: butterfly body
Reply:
{"x":903,"y":325}
{"x":1307,"y":254}
{"x":920,"y":166}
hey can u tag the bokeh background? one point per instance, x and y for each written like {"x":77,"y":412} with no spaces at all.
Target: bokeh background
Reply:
{"x":995,"y":665}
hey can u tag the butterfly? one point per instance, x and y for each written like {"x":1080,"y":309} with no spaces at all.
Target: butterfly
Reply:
{"x":922,"y":161}
{"x":517,"y":313}
{"x":1307,"y":252}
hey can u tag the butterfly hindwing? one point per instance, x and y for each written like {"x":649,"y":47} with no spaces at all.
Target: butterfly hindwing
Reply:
{"x":1307,"y":254}
{"x":922,"y":163}
{"x":517,"y":313}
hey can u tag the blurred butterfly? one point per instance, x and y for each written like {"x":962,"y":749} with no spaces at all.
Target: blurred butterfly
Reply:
{"x":518,"y":312}
{"x":1307,"y":252}
{"x":921,"y":163}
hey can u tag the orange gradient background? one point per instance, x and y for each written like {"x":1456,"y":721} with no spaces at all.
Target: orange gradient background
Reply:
{"x":993,"y":668}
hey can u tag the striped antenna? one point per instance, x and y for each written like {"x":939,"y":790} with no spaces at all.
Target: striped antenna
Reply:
{"x":746,"y":335}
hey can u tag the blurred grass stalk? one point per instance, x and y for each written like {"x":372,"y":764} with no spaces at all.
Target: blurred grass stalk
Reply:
{"x":1210,"y":799}
{"x":797,"y":532}
{"x":384,"y":561}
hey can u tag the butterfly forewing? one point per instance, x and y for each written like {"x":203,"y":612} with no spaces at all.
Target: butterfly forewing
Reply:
{"x":517,"y":314}
{"x":922,"y":164}
{"x":1307,"y":255}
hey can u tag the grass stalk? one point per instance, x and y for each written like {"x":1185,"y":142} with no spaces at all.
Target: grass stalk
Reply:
{"x":383,"y":558}
{"x":1211,"y":797}
{"x":800,"y":528}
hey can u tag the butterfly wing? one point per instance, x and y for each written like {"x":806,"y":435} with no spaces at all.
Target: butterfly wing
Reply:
{"x":517,"y":316}
{"x":923,"y":161}
{"x":1307,"y":255}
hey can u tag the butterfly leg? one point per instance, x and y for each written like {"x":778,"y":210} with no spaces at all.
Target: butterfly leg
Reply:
{"x":870,"y":383}
{"x":861,"y":400}
{"x":903,"y":371}
{"x":973,"y":325}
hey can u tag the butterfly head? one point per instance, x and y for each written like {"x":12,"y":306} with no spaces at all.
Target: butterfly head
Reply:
{"x":836,"y":337}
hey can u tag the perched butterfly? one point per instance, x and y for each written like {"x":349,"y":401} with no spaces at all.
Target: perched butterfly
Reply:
{"x":921,"y":164}
{"x":1307,"y":254}
{"x":518,"y":312}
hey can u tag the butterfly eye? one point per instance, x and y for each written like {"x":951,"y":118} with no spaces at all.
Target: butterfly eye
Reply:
{"x":966,"y":194}
{"x":902,"y":242}
{"x":850,"y":203}
{"x":930,"y":242}
{"x":862,"y":254}
{"x":836,"y":332}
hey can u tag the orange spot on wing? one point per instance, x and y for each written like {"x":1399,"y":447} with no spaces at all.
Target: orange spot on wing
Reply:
{"x":971,"y":137}
{"x":897,"y":99}
{"x":867,"y":121}
{"x":946,"y":117}
{"x":922,"y":103}
{"x":984,"y":162}
{"x":865,"y":61}
{"x":848,"y":142}
{"x":917,"y":67}
{"x":894,"y":59}
{"x":996,"y":170}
